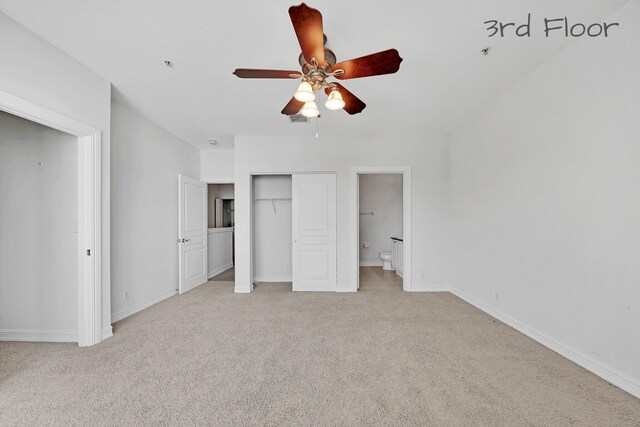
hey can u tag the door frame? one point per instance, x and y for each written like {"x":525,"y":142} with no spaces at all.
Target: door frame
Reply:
{"x":89,"y":209}
{"x":354,"y":215}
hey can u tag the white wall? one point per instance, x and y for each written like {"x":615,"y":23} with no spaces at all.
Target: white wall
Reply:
{"x":145,"y":161}
{"x":382,"y":195}
{"x":424,"y":153}
{"x":217,"y":165}
{"x":220,"y":251}
{"x":545,"y":203}
{"x":38,"y":225}
{"x":35,"y":70}
{"x":272,"y":250}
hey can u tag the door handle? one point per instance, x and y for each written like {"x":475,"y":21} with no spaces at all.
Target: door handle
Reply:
{"x":183,"y":240}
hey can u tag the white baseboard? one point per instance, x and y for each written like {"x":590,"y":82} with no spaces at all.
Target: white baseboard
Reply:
{"x":272,"y":279}
{"x":371,"y":263}
{"x":141,"y":306}
{"x":239,"y":290}
{"x":426,"y":287}
{"x":217,"y":271}
{"x":34,"y":335}
{"x":107,"y":333}
{"x":630,"y":385}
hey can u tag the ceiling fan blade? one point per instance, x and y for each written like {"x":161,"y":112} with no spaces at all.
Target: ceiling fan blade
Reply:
{"x":292,"y":107}
{"x":376,"y":64}
{"x":248,"y":73}
{"x":352,"y":104}
{"x":307,"y":23}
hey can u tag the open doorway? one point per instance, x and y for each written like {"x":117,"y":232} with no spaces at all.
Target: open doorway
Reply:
{"x":380,"y":231}
{"x":38,"y":225}
{"x":50,"y":189}
{"x":381,"y":224}
{"x":221,"y":233}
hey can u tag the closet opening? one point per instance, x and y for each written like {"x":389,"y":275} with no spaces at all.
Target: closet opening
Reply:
{"x":272,"y":232}
{"x":221,"y":233}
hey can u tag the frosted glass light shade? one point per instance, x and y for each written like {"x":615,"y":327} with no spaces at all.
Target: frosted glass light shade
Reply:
{"x":334,"y":102}
{"x":305,"y":93}
{"x":309,"y":109}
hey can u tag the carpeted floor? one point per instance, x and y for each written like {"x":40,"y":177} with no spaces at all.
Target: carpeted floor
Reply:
{"x":226,"y":276}
{"x":211,"y":357}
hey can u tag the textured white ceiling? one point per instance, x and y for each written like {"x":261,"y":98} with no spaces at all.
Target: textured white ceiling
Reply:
{"x":443,"y":74}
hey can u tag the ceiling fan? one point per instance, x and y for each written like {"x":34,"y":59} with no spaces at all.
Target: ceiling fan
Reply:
{"x":319,"y":64}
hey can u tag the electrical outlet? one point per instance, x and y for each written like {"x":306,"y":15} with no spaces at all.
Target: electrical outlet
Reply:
{"x":126,"y":295}
{"x":421,"y":275}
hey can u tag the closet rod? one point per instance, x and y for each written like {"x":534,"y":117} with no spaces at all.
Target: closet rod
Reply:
{"x":271,"y":199}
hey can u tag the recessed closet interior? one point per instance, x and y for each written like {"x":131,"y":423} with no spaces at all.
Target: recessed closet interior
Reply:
{"x":272,"y":228}
{"x":38,"y":229}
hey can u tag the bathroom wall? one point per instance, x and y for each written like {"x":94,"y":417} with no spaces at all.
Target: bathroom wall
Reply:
{"x":272,"y":230}
{"x":217,"y":191}
{"x":38,"y":229}
{"x":382,"y":195}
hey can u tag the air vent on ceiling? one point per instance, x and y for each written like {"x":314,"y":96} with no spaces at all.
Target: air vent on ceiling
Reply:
{"x":298,"y":118}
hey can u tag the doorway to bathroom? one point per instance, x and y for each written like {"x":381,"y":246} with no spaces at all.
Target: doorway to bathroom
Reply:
{"x":381,"y":215}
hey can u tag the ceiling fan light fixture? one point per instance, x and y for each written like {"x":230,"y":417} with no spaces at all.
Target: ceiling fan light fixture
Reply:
{"x":305,"y":93}
{"x":334,"y":101}
{"x":309,"y":109}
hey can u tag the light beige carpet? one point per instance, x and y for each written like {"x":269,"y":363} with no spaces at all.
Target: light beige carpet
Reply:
{"x":211,"y":357}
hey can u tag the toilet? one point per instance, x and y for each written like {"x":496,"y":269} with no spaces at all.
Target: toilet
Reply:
{"x":386,"y":260}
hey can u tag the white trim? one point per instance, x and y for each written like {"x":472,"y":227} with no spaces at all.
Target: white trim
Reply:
{"x":426,"y":287}
{"x":115,"y":317}
{"x":218,"y":180}
{"x":219,"y":230}
{"x":217,"y":271}
{"x":627,"y":384}
{"x":107,"y":332}
{"x":272,"y":279}
{"x":32,"y":335}
{"x":89,"y":209}
{"x":354,"y":219}
{"x":371,"y":263}
{"x":241,"y":290}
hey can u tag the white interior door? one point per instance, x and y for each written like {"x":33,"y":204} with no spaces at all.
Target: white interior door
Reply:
{"x":314,"y":232}
{"x":192,"y":233}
